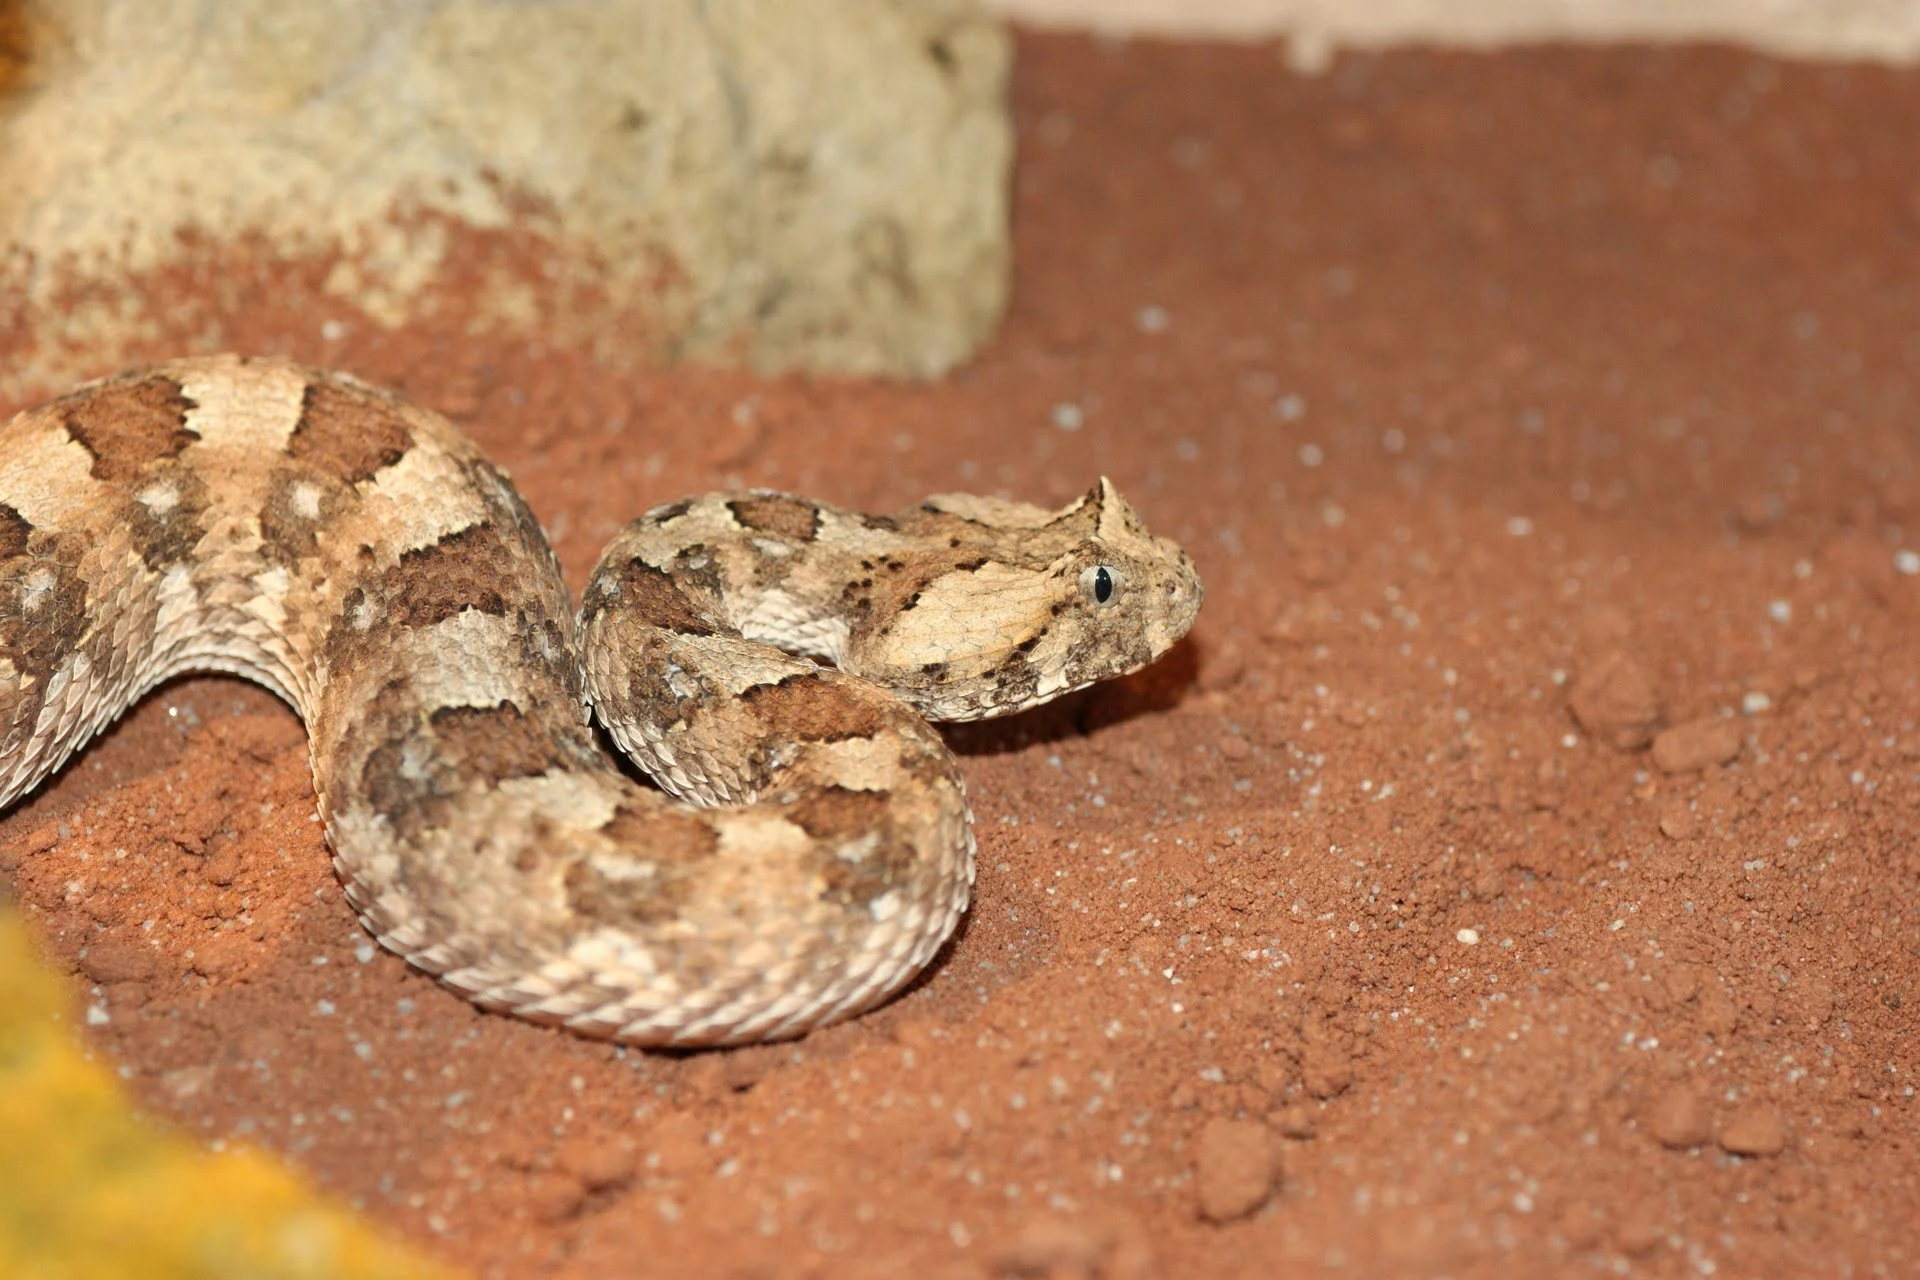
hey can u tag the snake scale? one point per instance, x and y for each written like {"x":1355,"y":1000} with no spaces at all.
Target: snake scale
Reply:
{"x":771,"y":663}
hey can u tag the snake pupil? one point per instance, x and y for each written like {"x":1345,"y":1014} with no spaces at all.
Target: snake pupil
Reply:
{"x":1102,"y":585}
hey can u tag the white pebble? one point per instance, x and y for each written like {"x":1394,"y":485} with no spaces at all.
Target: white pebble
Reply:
{"x":1468,"y":937}
{"x":1289,"y":407}
{"x":1519,"y":527}
{"x":1780,"y":611}
{"x":1152,"y":319}
{"x":1068,"y":417}
{"x":1907,"y":562}
{"x":1312,"y":455}
{"x":1753,"y":702}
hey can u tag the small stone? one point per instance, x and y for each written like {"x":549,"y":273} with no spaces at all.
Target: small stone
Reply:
{"x":1052,"y":1246}
{"x":1614,"y":702}
{"x":1697,"y":744}
{"x":1718,"y":1014}
{"x":1753,"y":1131}
{"x":1680,"y":1119}
{"x":1055,"y":1247}
{"x":1235,"y":1168}
{"x":747,"y":1066}
{"x":111,"y":959}
{"x":1640,"y":1230}
{"x":183,"y":1083}
{"x":1327,"y":1070}
{"x":1581,"y":1226}
{"x":223,"y":861}
{"x":553,"y":1197}
{"x":1235,"y":747}
{"x":1682,"y":983}
{"x":1294,"y":1122}
{"x":1678,"y":822}
{"x":598,"y":1162}
{"x":44,"y":838}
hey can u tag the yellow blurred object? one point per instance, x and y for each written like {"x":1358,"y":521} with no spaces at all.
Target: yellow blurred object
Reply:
{"x":91,"y":1191}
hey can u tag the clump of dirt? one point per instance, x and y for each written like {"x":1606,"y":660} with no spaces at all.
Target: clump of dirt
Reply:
{"x":1517,"y":867}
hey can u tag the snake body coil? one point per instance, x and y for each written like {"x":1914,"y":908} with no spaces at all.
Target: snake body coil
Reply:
{"x":811,"y":846}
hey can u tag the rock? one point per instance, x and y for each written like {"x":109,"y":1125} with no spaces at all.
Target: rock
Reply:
{"x":1640,"y":1229}
{"x":1677,"y":822}
{"x":222,"y":866}
{"x":597,"y":1161}
{"x":552,"y":1197}
{"x":109,"y":959}
{"x":1680,"y":1119}
{"x":1327,"y":1070}
{"x":1613,"y":701}
{"x":1719,"y":1016}
{"x":183,"y":1083}
{"x":819,"y":186}
{"x":1688,"y":747}
{"x":1235,"y":1168}
{"x":1098,"y":1247}
{"x":1753,"y":1131}
{"x":1293,"y":1122}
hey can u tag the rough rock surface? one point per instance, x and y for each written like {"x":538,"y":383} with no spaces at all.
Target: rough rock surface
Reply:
{"x":817,"y":185}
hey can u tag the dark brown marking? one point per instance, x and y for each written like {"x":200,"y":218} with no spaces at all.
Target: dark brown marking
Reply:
{"x":43,"y":607}
{"x":346,"y":644}
{"x":464,"y":570}
{"x":841,"y":818}
{"x":667,"y":511}
{"x":778,"y":513}
{"x":14,"y":532}
{"x":654,"y":598}
{"x":839,"y":813}
{"x":287,"y":534}
{"x":167,"y":536}
{"x":420,"y":765}
{"x":1017,"y":681}
{"x":128,"y":426}
{"x":885,"y":524}
{"x":674,"y":842}
{"x":494,"y":743}
{"x":802,"y":708}
{"x":348,"y":431}
{"x":697,"y":566}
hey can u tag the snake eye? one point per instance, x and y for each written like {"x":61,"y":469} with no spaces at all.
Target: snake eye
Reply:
{"x":1102,"y":582}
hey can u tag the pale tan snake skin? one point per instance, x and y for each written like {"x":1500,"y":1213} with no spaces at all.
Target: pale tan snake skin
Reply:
{"x":358,"y":556}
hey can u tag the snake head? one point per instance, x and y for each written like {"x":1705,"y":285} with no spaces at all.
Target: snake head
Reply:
{"x":1027,"y":604}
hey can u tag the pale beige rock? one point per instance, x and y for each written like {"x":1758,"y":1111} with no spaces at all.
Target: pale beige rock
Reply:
{"x":819,"y":183}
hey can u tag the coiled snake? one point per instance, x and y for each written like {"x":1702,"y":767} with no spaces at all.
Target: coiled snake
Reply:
{"x":810,"y":845}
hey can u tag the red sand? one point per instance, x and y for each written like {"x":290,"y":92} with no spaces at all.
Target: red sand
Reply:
{"x":1483,"y":389}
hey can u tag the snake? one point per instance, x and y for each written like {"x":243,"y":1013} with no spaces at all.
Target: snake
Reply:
{"x":792,"y":843}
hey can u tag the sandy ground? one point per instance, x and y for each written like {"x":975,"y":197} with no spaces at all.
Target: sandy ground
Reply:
{"x":1517,"y":408}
